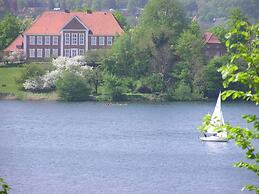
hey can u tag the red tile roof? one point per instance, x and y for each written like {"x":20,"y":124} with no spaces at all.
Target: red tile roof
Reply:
{"x":52,"y":22}
{"x":208,"y":37}
{"x":16,"y":45}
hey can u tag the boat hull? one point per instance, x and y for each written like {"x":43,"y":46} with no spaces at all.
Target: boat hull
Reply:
{"x":214,"y":139}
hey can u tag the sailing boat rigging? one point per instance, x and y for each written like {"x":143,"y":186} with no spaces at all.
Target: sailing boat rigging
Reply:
{"x":216,"y":132}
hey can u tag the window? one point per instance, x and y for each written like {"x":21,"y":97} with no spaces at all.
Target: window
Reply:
{"x":81,"y":52}
{"x":39,"y":53}
{"x":47,"y":53}
{"x":218,"y":53}
{"x":67,"y":52}
{"x":67,"y":38}
{"x":47,"y":40}
{"x":32,"y":53}
{"x":39,"y":40}
{"x":101,"y":40}
{"x":74,"y":52}
{"x":74,"y":38}
{"x":55,"y":40}
{"x":55,"y":52}
{"x":208,"y":46}
{"x":81,"y":39}
{"x":93,"y":40}
{"x":109,"y":40}
{"x":32,"y":40}
{"x":217,"y":46}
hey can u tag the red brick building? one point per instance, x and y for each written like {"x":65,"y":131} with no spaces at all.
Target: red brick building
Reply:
{"x":60,"y":33}
{"x":212,"y":46}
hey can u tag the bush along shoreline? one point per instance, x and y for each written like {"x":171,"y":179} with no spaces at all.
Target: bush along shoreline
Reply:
{"x":72,"y":79}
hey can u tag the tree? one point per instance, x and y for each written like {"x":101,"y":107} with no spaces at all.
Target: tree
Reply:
{"x":114,"y":87}
{"x":236,"y":15}
{"x":9,"y":30}
{"x":25,"y":23}
{"x":211,"y":78}
{"x":97,"y":5}
{"x":132,"y":6}
{"x":165,"y":13}
{"x":121,"y":19}
{"x":242,"y":44}
{"x":72,"y":87}
{"x":109,"y":4}
{"x":220,"y":32}
{"x":189,"y":50}
{"x":83,"y":9}
{"x":121,"y":59}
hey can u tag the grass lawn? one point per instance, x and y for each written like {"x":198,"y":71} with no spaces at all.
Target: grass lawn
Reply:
{"x":8,"y":86}
{"x":7,"y":79}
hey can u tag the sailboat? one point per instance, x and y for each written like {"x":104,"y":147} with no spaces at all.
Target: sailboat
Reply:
{"x":216,"y":122}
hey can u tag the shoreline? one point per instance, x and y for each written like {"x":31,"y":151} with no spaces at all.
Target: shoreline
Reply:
{"x":53,"y":97}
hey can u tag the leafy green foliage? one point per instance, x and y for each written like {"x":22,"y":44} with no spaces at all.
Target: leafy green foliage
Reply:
{"x":243,"y":47}
{"x":211,"y":78}
{"x":114,"y":87}
{"x":151,"y":84}
{"x":95,"y":57}
{"x":242,"y":43}
{"x":72,"y":87}
{"x":31,"y":71}
{"x":205,"y":123}
{"x":5,"y":188}
{"x":121,"y":19}
{"x":94,"y":78}
{"x":182,"y":92}
{"x":220,"y":32}
{"x":9,"y":30}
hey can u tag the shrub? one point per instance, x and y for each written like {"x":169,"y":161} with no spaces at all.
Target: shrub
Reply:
{"x":72,"y":87}
{"x":31,"y":71}
{"x":151,"y":84}
{"x":182,"y":92}
{"x":14,"y":57}
{"x":95,"y":57}
{"x":114,"y":87}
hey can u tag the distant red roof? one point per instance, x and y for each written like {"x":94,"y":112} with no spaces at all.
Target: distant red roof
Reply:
{"x":52,"y":22}
{"x":16,"y":45}
{"x":208,"y":37}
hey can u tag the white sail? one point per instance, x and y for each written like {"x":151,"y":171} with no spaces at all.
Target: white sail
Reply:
{"x":217,"y":119}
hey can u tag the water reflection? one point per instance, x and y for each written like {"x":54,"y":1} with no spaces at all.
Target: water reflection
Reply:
{"x":50,"y":147}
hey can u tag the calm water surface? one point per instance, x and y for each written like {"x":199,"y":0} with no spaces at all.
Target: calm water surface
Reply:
{"x":74,"y":148}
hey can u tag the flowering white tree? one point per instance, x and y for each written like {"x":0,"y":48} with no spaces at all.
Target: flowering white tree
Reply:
{"x":14,"y":57}
{"x":62,"y":64}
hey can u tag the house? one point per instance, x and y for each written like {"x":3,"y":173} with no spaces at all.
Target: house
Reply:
{"x":212,"y":46}
{"x":64,"y":33}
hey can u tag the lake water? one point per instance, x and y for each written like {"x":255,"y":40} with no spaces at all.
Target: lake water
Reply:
{"x":77,"y":148}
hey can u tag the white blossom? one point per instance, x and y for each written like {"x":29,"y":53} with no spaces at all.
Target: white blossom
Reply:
{"x":61,"y":64}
